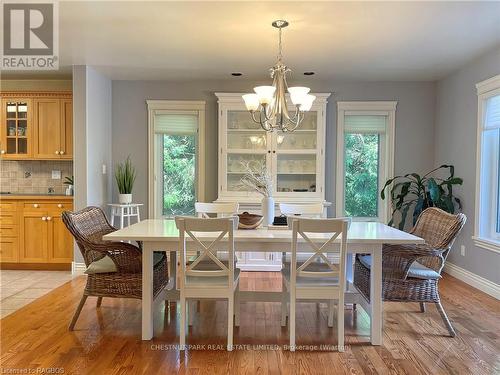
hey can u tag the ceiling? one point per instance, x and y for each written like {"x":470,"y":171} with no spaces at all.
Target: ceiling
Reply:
{"x":337,"y":40}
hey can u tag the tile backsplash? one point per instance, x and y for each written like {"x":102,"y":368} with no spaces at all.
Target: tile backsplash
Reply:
{"x":33,"y":176}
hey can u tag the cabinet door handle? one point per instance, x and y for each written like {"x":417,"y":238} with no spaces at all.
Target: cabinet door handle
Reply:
{"x":61,"y":152}
{"x":60,"y":205}
{"x":36,"y":205}
{"x":44,"y":218}
{"x":57,"y":152}
{"x":2,"y":152}
{"x":49,"y":218}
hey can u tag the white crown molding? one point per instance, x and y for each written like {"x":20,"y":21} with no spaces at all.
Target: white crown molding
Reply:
{"x":235,"y":97}
{"x":488,"y":85}
{"x":476,"y":281}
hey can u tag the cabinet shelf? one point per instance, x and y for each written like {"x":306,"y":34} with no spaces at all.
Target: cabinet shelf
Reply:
{"x":256,"y":130}
{"x":297,"y":173}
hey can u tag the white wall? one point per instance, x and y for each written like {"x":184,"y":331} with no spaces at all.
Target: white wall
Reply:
{"x":414,"y":121}
{"x":92,"y":121}
{"x":455,"y":143}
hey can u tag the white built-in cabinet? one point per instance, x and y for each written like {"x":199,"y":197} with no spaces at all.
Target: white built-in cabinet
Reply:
{"x":296,"y":161}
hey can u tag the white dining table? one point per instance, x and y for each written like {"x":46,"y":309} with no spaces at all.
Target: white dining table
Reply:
{"x":363,"y":237}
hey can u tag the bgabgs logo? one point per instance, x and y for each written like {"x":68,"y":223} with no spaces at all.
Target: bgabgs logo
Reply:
{"x":30,"y":35}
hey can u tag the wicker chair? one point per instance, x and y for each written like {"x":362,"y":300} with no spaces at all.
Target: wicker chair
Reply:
{"x":411,"y":272}
{"x":121,"y":275}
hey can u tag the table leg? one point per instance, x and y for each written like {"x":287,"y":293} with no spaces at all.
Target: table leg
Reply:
{"x":112,"y":216}
{"x":349,"y":270}
{"x":376,"y":296}
{"x":173,"y":268}
{"x":121,"y":217}
{"x":147,"y":291}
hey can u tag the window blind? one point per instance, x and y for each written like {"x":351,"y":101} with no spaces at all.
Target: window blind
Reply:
{"x":176,"y":124}
{"x":365,"y":123}
{"x":492,"y":117}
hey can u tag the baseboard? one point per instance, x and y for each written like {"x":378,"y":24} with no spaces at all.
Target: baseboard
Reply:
{"x":36,"y":266}
{"x":476,"y":281}
{"x":78,"y":268}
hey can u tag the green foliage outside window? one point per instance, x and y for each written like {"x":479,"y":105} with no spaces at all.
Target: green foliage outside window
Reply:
{"x":179,"y":163}
{"x":361,"y":175}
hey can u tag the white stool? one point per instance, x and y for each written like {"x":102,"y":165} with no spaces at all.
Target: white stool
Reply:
{"x":125,"y":211}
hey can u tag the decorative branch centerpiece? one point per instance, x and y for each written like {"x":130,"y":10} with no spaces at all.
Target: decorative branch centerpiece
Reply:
{"x":257,"y":178}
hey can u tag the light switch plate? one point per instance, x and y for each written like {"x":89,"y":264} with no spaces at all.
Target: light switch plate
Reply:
{"x":104,"y":169}
{"x":56,"y":175}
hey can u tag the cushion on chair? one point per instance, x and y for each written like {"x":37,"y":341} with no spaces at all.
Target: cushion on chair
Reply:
{"x":311,"y":281}
{"x":417,"y":270}
{"x":106,"y":264}
{"x":210,"y":282}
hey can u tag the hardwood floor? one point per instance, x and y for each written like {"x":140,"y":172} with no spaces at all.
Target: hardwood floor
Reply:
{"x":35,"y":339}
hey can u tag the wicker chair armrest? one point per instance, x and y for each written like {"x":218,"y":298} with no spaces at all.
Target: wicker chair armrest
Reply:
{"x":397,"y":259}
{"x":127,"y":257}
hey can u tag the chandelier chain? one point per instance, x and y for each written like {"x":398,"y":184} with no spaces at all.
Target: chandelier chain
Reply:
{"x":280,"y":46}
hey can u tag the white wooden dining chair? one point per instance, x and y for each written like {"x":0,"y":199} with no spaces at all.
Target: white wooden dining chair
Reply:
{"x":220,"y":281}
{"x":218,"y":209}
{"x":311,"y":210}
{"x":309,"y":281}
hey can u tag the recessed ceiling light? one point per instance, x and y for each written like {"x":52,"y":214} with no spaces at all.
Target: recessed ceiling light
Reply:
{"x":309,"y":73}
{"x":236,"y":74}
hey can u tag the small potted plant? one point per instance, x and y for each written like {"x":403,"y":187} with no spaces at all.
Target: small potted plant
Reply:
{"x":125,"y":178}
{"x":69,"y":182}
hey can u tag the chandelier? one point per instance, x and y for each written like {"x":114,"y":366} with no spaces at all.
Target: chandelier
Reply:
{"x":268,"y":105}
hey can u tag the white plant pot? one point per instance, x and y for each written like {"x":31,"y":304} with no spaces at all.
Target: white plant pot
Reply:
{"x":69,"y":190}
{"x":267,"y":210}
{"x":124,"y":198}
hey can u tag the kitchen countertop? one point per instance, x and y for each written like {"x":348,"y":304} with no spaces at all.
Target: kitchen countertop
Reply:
{"x":13,"y":196}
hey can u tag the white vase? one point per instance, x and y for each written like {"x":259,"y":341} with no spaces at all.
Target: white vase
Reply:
{"x":124,"y":198}
{"x":267,"y":210}
{"x":69,"y":190}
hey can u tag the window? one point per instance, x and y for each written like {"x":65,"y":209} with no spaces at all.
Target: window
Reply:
{"x":175,"y":181}
{"x":364,"y":158}
{"x":487,"y":225}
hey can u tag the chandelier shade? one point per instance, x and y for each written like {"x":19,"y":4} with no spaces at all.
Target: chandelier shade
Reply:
{"x":268,"y":106}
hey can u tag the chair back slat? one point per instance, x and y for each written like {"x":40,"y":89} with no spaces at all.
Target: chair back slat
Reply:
{"x":194,"y":228}
{"x":88,"y":226}
{"x":333,"y":227}
{"x":218,"y":209}
{"x":306,"y":210}
{"x":438,"y":228}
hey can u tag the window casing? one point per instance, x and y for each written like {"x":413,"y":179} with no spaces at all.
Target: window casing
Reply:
{"x":176,"y":170}
{"x":487,"y":218}
{"x":365,"y":158}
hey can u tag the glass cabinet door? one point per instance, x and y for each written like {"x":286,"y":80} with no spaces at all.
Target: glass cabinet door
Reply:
{"x":246,"y":146}
{"x":296,"y":157}
{"x":15,"y":127}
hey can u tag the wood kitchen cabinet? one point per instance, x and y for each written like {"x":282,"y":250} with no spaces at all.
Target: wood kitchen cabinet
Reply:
{"x":16,"y":129}
{"x":37,"y":126}
{"x":53,"y":129}
{"x":33,"y":233}
{"x":34,"y":238}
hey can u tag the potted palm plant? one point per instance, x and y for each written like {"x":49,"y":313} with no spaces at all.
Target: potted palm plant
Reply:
{"x":415,"y":192}
{"x":125,"y":177}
